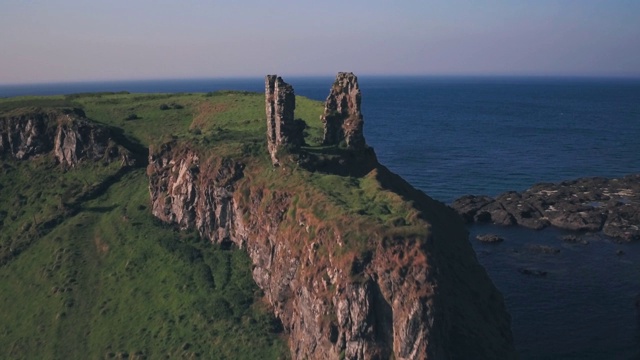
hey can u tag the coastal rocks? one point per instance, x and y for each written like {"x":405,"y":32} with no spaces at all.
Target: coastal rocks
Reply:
{"x":65,"y":133}
{"x":573,"y":239}
{"x":342,"y":118}
{"x":283,"y":131}
{"x":489,"y":238}
{"x":589,"y":204}
{"x":542,"y":249}
{"x":532,"y":272}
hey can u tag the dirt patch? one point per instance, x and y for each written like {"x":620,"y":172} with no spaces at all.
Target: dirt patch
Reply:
{"x":205,"y":113}
{"x":101,"y":245}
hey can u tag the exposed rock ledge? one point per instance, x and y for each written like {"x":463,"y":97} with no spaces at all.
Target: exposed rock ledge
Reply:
{"x":66,"y":133}
{"x":418,"y":294}
{"x":588,"y":204}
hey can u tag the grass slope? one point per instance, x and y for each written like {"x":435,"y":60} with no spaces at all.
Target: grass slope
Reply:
{"x":93,"y":274}
{"x":98,"y":276}
{"x":112,"y":280}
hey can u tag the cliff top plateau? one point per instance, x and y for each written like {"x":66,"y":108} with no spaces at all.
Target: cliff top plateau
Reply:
{"x":226,"y":224}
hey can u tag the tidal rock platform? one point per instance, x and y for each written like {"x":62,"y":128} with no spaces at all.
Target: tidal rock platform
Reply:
{"x":596,"y":204}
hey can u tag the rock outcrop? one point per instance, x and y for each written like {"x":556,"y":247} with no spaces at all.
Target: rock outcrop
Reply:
{"x":410,"y":298}
{"x":66,"y":133}
{"x":283,"y":131}
{"x":588,"y":204}
{"x":342,"y":117}
{"x":412,"y":291}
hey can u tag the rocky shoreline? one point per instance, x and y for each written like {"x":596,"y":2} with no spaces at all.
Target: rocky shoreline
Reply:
{"x":610,"y":206}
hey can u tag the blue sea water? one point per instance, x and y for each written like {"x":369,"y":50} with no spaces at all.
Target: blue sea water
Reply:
{"x":454,"y":136}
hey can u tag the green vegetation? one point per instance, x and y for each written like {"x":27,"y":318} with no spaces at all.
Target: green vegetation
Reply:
{"x":112,"y":280}
{"x":87,"y":272}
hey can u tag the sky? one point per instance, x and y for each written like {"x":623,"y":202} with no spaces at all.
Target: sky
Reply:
{"x":88,"y":40}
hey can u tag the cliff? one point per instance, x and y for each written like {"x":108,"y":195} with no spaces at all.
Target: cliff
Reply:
{"x":356,"y":267}
{"x":66,"y":133}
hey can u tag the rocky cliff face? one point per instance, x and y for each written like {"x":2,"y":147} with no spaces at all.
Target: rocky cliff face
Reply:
{"x":408,"y":297}
{"x":342,"y":117}
{"x":282,"y":129}
{"x":407,"y":291}
{"x":64,"y":132}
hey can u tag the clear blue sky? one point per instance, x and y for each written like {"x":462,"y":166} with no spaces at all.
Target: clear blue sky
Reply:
{"x":77,"y":40}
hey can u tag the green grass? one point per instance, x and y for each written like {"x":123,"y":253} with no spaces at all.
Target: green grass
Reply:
{"x":87,"y":274}
{"x":113,"y":280}
{"x":35,"y":101}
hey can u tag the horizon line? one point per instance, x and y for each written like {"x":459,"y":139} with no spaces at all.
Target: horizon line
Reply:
{"x":298,"y":76}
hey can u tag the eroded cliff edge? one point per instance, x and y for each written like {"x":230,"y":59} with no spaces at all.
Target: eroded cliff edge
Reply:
{"x":65,"y":132}
{"x":362,"y":267}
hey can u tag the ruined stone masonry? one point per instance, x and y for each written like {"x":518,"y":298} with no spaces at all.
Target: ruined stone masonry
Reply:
{"x":342,"y":117}
{"x":280,"y":104}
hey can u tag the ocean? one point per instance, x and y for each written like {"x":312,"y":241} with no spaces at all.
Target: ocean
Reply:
{"x":451,"y":136}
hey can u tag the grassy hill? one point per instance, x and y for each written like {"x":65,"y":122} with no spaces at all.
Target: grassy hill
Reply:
{"x":88,"y":272}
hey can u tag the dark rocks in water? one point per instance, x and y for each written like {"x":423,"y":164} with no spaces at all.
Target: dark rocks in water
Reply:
{"x":532,"y":272}
{"x":468,"y":206}
{"x":572,"y":239}
{"x":342,"y":117}
{"x":620,"y":252}
{"x":588,"y":204}
{"x":623,"y":221}
{"x":489,"y":238}
{"x":543,"y":249}
{"x":522,"y":212}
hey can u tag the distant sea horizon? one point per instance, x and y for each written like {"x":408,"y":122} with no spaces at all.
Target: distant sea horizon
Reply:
{"x":169,"y":84}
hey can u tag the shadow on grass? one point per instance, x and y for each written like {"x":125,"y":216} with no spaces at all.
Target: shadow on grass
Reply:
{"x":100,"y":209}
{"x":338,"y":161}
